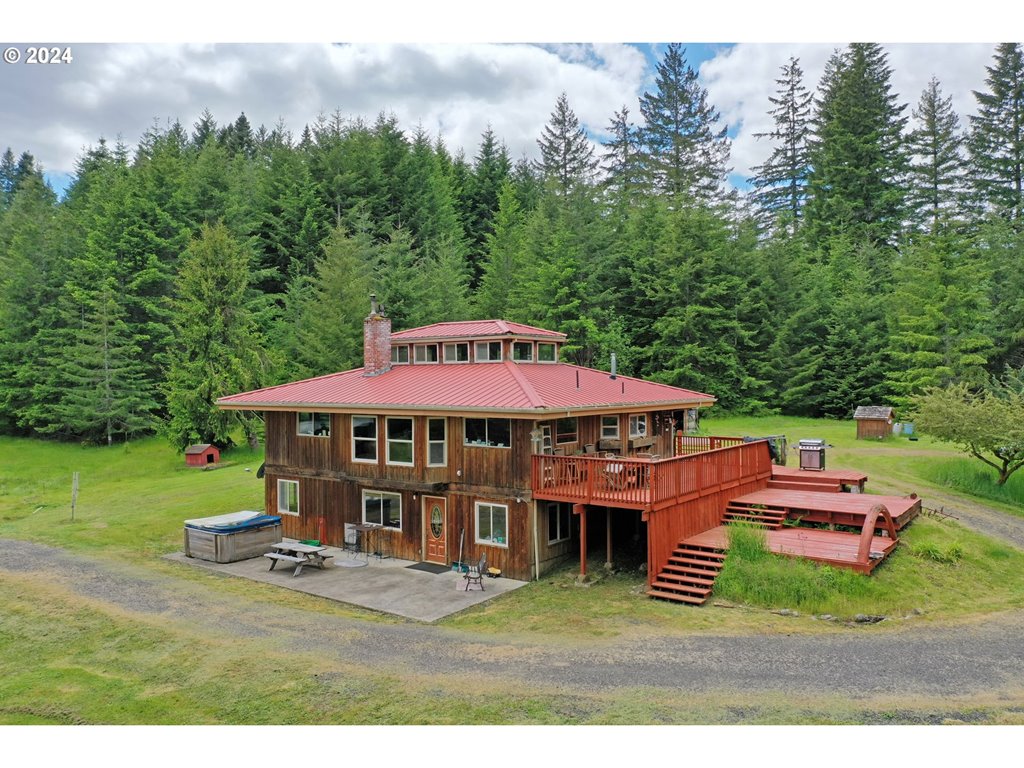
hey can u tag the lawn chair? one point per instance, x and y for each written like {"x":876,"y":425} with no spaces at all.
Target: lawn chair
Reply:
{"x":475,"y":574}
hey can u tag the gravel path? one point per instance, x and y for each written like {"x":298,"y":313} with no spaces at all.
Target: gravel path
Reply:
{"x":967,"y":660}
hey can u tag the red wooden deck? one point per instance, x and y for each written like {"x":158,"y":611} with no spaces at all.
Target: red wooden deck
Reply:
{"x":832,"y":547}
{"x":834,"y":508}
{"x":845,"y":477}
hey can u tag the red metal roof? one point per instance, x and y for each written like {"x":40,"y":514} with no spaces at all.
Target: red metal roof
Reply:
{"x":474,"y":329}
{"x":505,"y":386}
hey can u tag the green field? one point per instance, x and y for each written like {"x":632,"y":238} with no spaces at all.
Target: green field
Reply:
{"x":66,"y":659}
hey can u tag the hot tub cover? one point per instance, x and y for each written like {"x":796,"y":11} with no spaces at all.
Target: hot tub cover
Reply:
{"x":235,"y":521}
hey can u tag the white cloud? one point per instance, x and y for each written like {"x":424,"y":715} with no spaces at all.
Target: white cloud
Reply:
{"x":455,"y":89}
{"x":740,"y":81}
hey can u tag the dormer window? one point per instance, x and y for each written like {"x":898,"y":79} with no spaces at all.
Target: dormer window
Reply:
{"x":522,"y":351}
{"x":426,"y":353}
{"x":457,"y":352}
{"x":488,"y":351}
{"x":400,"y":355}
{"x":546,"y":352}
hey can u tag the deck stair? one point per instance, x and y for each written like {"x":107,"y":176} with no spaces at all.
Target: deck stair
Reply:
{"x":689,"y":575}
{"x":754,"y":514}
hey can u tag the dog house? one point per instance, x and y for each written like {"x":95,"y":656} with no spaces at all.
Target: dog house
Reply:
{"x":201,"y":455}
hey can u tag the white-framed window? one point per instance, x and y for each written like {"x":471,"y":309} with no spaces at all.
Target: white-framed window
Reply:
{"x":488,"y":351}
{"x":495,"y":433}
{"x":288,"y":497}
{"x":400,"y":440}
{"x":559,"y":515}
{"x":314,"y":424}
{"x":400,"y":354}
{"x":638,"y":425}
{"x":491,"y":524}
{"x":437,"y":442}
{"x":566,"y":430}
{"x":456,"y":352}
{"x":522,"y":351}
{"x":546,"y":352}
{"x":382,"y":508}
{"x":364,"y":438}
{"x":609,"y":427}
{"x":425,"y":353}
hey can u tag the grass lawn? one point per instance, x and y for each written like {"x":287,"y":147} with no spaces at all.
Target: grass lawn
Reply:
{"x":65,"y":659}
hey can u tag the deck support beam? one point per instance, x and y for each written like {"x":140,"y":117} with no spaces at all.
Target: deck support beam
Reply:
{"x":581,"y":510}
{"x":608,"y":537}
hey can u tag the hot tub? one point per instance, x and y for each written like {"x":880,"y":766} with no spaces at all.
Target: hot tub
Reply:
{"x":227,"y":538}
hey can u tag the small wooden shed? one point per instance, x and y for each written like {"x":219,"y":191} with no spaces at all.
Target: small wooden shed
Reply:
{"x":201,"y":455}
{"x":874,"y":422}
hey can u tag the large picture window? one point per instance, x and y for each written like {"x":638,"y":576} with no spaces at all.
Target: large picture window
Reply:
{"x":288,"y":497}
{"x":437,"y":442}
{"x":491,"y":524}
{"x":314,"y":424}
{"x":364,"y":438}
{"x":496,"y":433}
{"x":400,"y":440}
{"x":382,"y":508}
{"x":559,"y":515}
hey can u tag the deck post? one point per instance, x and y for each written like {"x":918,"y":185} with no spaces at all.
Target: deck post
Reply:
{"x":608,"y":537}
{"x":581,"y":510}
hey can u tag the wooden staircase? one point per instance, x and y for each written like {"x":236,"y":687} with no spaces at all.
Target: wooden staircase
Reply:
{"x":689,"y":575}
{"x":759,"y":515}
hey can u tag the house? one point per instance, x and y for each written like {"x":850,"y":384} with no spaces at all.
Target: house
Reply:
{"x":873,"y":421}
{"x":475,"y":433}
{"x":201,"y":455}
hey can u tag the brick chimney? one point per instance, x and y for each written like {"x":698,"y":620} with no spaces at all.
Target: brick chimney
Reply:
{"x":376,"y":341}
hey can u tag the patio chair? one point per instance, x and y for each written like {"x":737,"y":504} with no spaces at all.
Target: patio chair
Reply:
{"x":475,"y":574}
{"x":351,"y":540}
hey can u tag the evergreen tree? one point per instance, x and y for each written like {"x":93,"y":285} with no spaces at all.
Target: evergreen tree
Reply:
{"x":997,"y":135}
{"x":856,"y":186}
{"x":936,"y":177}
{"x":218,"y":347}
{"x":505,"y":257}
{"x":780,"y":183}
{"x":623,"y":170}
{"x":567,"y":157}
{"x":204,"y":130}
{"x":685,"y":154}
{"x":325,"y":332}
{"x":8,"y":179}
{"x":481,"y":187}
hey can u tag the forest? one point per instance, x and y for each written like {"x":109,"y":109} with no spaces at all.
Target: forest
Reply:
{"x":878,"y":251}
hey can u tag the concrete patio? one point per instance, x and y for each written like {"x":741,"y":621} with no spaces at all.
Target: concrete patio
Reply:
{"x":387,"y":585}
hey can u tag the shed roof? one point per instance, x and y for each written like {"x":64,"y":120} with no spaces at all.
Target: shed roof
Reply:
{"x":873,"y":412}
{"x":527,"y":388}
{"x":198,"y":448}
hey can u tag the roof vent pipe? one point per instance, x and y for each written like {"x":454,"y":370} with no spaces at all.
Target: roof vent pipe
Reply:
{"x":615,"y":365}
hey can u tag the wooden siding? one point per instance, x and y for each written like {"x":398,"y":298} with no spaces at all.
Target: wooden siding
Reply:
{"x":872,"y":429}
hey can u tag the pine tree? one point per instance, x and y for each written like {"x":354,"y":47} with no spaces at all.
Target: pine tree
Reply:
{"x":622,"y":166}
{"x":218,"y":348}
{"x":505,"y":255}
{"x":8,"y":179}
{"x":325,"y":330}
{"x":856,"y":186}
{"x":685,"y":154}
{"x":480,"y":188}
{"x":204,"y":130}
{"x":936,"y":186}
{"x":567,"y":157}
{"x":780,"y":183}
{"x":997,"y":135}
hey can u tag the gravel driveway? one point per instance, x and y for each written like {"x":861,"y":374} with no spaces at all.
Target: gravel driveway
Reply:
{"x":980,"y":658}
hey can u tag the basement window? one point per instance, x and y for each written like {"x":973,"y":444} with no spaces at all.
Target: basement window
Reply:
{"x":288,"y":497}
{"x":558,"y":521}
{"x":491,"y":524}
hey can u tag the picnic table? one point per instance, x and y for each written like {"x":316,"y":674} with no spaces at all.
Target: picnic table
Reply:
{"x":299,"y":554}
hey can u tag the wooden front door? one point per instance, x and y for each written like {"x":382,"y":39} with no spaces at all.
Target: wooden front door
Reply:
{"x":435,"y":523}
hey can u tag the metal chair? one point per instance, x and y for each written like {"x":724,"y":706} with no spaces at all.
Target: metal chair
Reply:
{"x":475,"y":574}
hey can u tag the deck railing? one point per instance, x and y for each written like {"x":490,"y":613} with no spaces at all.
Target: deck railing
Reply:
{"x":687,"y":444}
{"x":643,"y":483}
